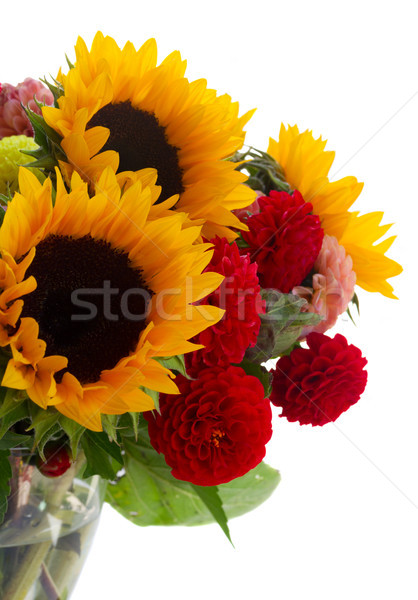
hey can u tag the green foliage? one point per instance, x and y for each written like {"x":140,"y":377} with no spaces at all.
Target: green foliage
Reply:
{"x":13,"y":440}
{"x":147,"y":493}
{"x":5,"y":475}
{"x":104,"y":457}
{"x":261,"y":373}
{"x":280,"y":326}
{"x":265,"y":173}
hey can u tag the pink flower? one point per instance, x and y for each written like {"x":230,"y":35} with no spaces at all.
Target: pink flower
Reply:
{"x":13,"y":119}
{"x":333,"y":285}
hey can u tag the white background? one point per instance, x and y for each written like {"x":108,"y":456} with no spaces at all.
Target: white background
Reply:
{"x":343,"y":522}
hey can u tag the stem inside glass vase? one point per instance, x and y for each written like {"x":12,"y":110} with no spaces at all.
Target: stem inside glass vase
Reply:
{"x":47,"y":531}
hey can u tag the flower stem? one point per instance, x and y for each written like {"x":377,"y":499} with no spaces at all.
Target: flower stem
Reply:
{"x":48,"y":584}
{"x":28,"y":573}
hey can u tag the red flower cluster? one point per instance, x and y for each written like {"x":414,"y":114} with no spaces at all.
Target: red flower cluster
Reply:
{"x":216,"y":429}
{"x":239,"y":294}
{"x":316,"y":385}
{"x":284,"y":239}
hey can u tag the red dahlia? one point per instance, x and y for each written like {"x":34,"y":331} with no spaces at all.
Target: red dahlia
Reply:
{"x":239,"y":294}
{"x":216,"y":429}
{"x":284,"y":240}
{"x":316,"y":385}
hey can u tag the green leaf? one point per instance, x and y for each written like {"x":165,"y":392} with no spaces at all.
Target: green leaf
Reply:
{"x":147,"y":494}
{"x":12,"y":440}
{"x":99,"y":453}
{"x":10,"y":400}
{"x":5,"y":475}
{"x":17,"y":414}
{"x":211,"y":499}
{"x":280,"y":326}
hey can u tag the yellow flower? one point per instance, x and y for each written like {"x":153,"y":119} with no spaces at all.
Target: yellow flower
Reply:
{"x":93,"y":292}
{"x":120,"y":109}
{"x":306,"y":165}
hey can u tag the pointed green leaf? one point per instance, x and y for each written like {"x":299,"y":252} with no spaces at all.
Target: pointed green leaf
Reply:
{"x":12,"y":440}
{"x":211,"y":499}
{"x":10,"y":400}
{"x":99,"y":453}
{"x":17,"y":414}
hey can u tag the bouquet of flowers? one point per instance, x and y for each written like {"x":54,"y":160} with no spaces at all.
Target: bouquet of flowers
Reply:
{"x":151,"y":265}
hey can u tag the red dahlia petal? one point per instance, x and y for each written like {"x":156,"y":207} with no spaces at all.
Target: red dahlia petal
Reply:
{"x":239,"y":295}
{"x":284,"y":239}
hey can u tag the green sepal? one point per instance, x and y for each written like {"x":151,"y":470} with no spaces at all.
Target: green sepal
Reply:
{"x":354,"y":300}
{"x":109,"y":423}
{"x":128,"y":425}
{"x":45,"y":424}
{"x":155,"y":397}
{"x":49,"y":141}
{"x":281,"y":326}
{"x":264,"y":172}
{"x":55,"y":88}
{"x":74,"y":432}
{"x":175,"y":363}
{"x":5,"y":476}
{"x":69,"y":63}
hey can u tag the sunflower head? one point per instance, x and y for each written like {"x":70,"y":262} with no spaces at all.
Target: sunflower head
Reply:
{"x":95,"y":291}
{"x":120,"y":109}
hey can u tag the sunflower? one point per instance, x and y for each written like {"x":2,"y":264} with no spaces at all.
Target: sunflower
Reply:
{"x":93,"y":292}
{"x":306,"y":165}
{"x":120,"y":109}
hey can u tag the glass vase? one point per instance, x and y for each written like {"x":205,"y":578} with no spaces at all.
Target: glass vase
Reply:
{"x":47,"y":531}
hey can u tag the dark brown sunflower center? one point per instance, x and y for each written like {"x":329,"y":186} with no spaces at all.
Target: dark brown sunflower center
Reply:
{"x":90,"y":304}
{"x":141,"y":142}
